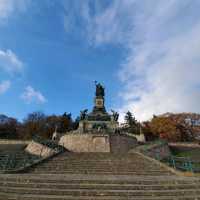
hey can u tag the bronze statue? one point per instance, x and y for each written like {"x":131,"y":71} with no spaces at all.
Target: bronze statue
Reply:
{"x":83,"y":114}
{"x":100,"y":90}
{"x":67,"y":115}
{"x":115,"y":115}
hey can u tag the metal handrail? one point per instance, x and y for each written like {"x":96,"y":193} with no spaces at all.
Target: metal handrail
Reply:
{"x":179,"y":163}
{"x":14,"y":161}
{"x":183,"y":163}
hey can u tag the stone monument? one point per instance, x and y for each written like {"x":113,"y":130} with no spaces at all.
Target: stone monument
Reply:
{"x":98,"y":121}
{"x":98,"y":130}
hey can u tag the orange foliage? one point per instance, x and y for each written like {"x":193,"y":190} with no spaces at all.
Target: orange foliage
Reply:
{"x":165,"y":128}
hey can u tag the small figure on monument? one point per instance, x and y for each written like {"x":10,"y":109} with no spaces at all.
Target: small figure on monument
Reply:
{"x":100,"y":90}
{"x":55,"y":134}
{"x":115,"y":115}
{"x":67,"y":115}
{"x":83,"y":114}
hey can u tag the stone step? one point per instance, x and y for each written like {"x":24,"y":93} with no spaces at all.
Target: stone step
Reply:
{"x":99,"y":186}
{"x":96,"y":182}
{"x":102,"y":172}
{"x":98,"y":176}
{"x":102,"y":163}
{"x":107,"y":168}
{"x":117,"y":159}
{"x":77,"y":170}
{"x":101,"y":167}
{"x":99,"y":163}
{"x":4,"y":196}
{"x":85,"y":162}
{"x":75,"y":158}
{"x":91,"y":179}
{"x":99,"y":192}
{"x":59,"y":170}
{"x":96,"y":157}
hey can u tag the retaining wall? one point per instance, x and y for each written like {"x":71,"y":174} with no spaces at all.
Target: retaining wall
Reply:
{"x":122,"y":144}
{"x":157,"y":150}
{"x":13,"y":145}
{"x":38,"y":149}
{"x":184,"y":146}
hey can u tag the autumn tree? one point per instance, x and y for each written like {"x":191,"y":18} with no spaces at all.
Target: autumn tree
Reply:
{"x":8,"y":128}
{"x":66,"y":123}
{"x":146,"y":130}
{"x":165,"y":128}
{"x":52,"y":122}
{"x":34,"y":124}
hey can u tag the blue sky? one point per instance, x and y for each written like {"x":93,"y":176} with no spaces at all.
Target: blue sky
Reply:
{"x":146,"y":55}
{"x":59,"y":65}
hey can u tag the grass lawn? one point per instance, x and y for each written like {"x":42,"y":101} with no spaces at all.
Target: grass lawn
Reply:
{"x":193,"y":153}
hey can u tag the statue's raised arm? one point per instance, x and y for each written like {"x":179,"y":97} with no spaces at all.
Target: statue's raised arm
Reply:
{"x":100,"y":90}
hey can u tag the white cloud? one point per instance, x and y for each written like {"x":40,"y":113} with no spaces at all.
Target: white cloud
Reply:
{"x":98,"y":24}
{"x":161,"y":70}
{"x":9,"y":7}
{"x":31,"y":95}
{"x":4,"y":86}
{"x":9,"y":62}
{"x":112,"y":25}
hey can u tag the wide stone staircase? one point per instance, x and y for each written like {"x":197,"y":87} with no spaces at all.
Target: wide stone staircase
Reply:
{"x":98,"y":176}
{"x":99,"y":163}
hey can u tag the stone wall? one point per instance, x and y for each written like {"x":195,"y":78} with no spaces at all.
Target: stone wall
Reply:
{"x":158,"y":150}
{"x":97,"y":143}
{"x":13,"y":145}
{"x":39,"y":150}
{"x":184,"y":146}
{"x":191,"y":150}
{"x":85,"y":142}
{"x":122,"y":144}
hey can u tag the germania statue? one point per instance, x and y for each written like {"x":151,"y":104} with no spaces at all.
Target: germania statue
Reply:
{"x":100,"y":90}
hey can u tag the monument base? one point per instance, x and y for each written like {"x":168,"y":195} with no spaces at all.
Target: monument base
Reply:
{"x":85,"y":142}
{"x":98,"y":143}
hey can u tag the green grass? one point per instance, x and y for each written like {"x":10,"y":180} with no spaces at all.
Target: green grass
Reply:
{"x":193,"y":153}
{"x":183,"y":154}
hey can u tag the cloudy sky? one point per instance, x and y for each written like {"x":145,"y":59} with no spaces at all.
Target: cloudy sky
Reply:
{"x":145,"y":52}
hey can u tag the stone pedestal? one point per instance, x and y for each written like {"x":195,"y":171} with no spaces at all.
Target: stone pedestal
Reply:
{"x":98,"y":143}
{"x":86,"y":142}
